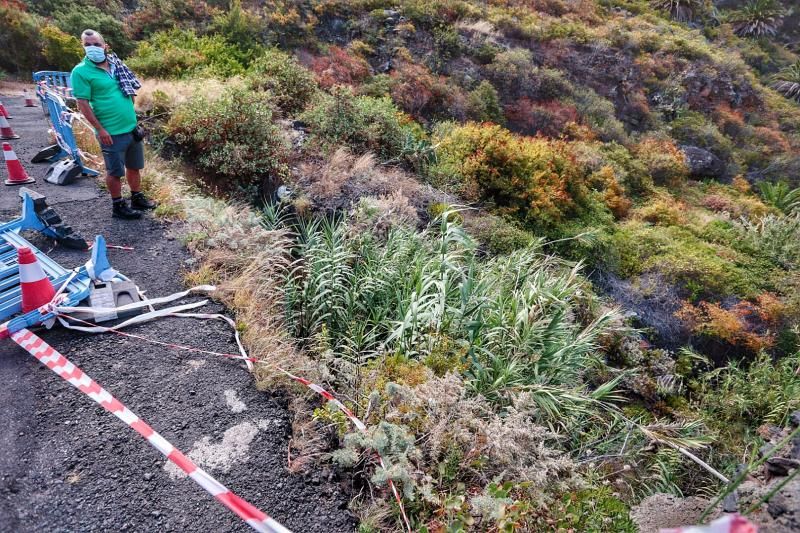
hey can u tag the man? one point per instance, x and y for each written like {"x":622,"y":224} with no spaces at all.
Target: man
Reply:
{"x":105,"y":89}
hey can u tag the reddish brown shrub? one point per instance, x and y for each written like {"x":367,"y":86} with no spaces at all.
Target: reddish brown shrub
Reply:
{"x":749,"y":325}
{"x":729,"y":121}
{"x":547,"y":118}
{"x":773,"y":142}
{"x":613,"y":193}
{"x":339,"y":67}
{"x":719,"y":203}
{"x":424,"y":95}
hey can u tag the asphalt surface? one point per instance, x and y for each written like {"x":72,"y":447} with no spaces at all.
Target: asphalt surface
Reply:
{"x":67,"y":465}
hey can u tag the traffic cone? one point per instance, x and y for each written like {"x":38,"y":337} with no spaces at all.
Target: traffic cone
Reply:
{"x":16,"y":174}
{"x":5,"y":130}
{"x":35,"y":286}
{"x":4,"y":111}
{"x":28,"y":100}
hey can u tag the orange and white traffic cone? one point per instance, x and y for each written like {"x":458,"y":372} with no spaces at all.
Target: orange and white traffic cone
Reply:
{"x":16,"y":173}
{"x":5,"y":130}
{"x":29,"y":100}
{"x":34,"y":284}
{"x":4,"y":111}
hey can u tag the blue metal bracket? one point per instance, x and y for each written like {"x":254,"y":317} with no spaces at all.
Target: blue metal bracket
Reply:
{"x":80,"y":284}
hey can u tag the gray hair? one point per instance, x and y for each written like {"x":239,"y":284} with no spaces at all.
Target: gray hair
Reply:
{"x":91,"y":33}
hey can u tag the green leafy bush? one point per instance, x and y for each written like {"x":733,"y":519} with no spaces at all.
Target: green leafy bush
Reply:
{"x":182,"y":53}
{"x":291,"y":85}
{"x":664,"y":161}
{"x":152,"y":16}
{"x":498,"y":235}
{"x":483,"y":104}
{"x":21,"y":38}
{"x":62,"y":51}
{"x":78,"y":18}
{"x":233,"y":138}
{"x":776,"y":237}
{"x":599,"y":114}
{"x":239,"y":27}
{"x":363,"y":123}
{"x":709,"y":270}
{"x":695,"y":129}
{"x":535,"y":179}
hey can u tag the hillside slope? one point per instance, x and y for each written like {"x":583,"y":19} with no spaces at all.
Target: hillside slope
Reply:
{"x":622,"y":288}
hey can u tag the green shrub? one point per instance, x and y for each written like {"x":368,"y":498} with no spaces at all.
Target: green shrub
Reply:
{"x":631,"y":172}
{"x":535,"y":179}
{"x":78,"y":18}
{"x":595,"y":509}
{"x":233,"y":138}
{"x":378,"y":86}
{"x":21,"y":38}
{"x":291,"y":85}
{"x":363,"y":123}
{"x":498,"y":235}
{"x":664,"y":161}
{"x":695,"y":129}
{"x":599,"y":114}
{"x":152,"y":16}
{"x":182,"y":53}
{"x":775,"y":237}
{"x":686,"y":260}
{"x":483,"y":104}
{"x":239,"y":27}
{"x":512,"y":71}
{"x":62,"y":51}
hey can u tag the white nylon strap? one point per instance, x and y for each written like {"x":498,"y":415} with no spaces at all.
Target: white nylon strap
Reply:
{"x":135,"y":320}
{"x":135,"y":305}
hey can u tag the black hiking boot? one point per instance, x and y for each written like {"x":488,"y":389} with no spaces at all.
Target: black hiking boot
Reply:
{"x":121,"y":210}
{"x":139,"y":201}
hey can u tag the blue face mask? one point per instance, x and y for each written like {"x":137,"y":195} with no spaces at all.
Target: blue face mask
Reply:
{"x":95,"y":54}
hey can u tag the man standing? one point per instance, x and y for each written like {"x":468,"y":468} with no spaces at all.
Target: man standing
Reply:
{"x":105,"y":89}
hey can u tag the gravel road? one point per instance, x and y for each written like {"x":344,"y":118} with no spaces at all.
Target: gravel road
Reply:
{"x":67,"y":465}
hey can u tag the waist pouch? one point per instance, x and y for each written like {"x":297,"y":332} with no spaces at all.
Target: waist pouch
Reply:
{"x":138,"y":133}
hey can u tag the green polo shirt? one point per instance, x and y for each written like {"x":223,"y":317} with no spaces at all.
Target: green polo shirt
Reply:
{"x":112,"y":107}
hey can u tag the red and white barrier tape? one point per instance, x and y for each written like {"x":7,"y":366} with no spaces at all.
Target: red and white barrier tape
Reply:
{"x":733,"y":523}
{"x":70,"y":373}
{"x":92,"y":328}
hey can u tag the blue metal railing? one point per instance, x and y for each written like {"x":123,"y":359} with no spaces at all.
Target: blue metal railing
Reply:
{"x":52,"y":87}
{"x":79,"y":285}
{"x":56,"y":81}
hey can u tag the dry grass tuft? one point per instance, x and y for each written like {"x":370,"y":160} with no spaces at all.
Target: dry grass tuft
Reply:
{"x":340,"y":181}
{"x":158,"y":96}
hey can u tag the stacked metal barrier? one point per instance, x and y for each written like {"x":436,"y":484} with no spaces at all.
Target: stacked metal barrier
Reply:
{"x":67,"y":163}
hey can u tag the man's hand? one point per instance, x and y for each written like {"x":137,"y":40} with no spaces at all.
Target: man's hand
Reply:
{"x":105,"y":138}
{"x":86,"y":108}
